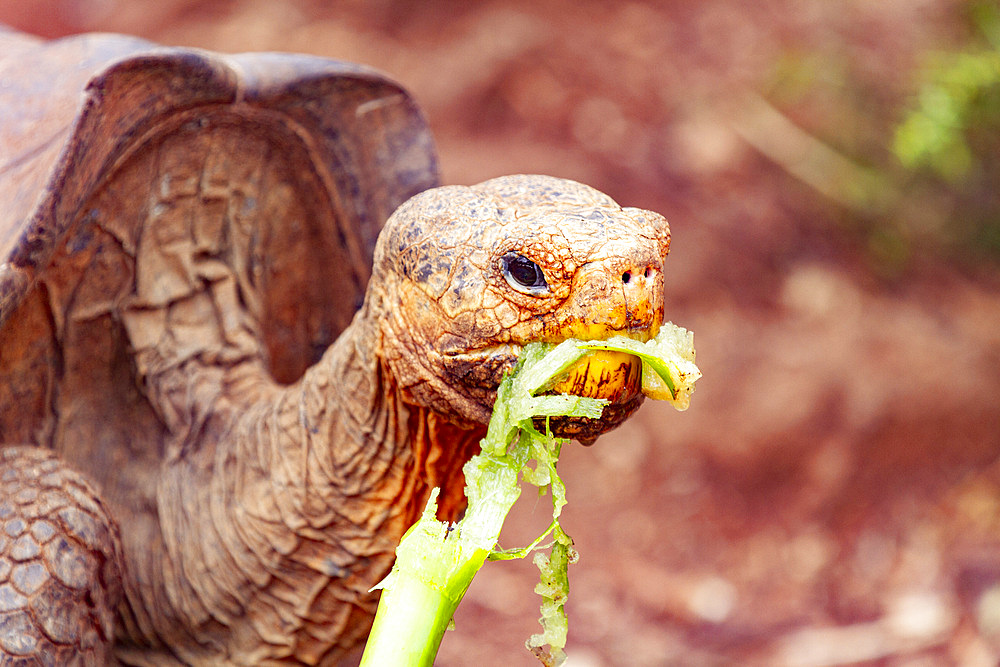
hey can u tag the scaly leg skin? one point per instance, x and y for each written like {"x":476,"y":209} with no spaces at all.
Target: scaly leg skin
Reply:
{"x":59,"y":564}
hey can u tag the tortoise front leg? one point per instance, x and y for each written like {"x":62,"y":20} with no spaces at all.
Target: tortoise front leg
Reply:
{"x":59,"y":564}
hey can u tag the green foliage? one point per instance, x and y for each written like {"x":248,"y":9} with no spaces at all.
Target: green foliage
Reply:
{"x":956,"y":97}
{"x":916,"y":175}
{"x":949,"y":137}
{"x":436,"y":561}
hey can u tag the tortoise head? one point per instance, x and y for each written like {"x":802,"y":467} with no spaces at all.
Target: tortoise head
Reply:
{"x":471,"y":274}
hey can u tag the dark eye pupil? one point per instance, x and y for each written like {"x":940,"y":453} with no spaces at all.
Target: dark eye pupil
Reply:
{"x":524,"y":272}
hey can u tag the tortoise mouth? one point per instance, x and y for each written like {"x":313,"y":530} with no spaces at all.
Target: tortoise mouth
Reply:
{"x":613,"y":376}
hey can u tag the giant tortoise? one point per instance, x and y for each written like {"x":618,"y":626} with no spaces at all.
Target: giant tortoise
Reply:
{"x":224,"y":392}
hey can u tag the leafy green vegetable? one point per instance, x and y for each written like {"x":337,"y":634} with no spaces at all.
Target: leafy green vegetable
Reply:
{"x":668,"y":368}
{"x":436,"y":561}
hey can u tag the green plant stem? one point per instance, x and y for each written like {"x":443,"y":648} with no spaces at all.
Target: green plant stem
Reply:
{"x":416,"y":609}
{"x":409,"y":625}
{"x":436,"y":561}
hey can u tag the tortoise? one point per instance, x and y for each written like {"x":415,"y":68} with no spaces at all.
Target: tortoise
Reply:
{"x":245,"y":331}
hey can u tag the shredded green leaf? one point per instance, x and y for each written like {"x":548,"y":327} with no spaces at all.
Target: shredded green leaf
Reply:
{"x":439,"y":560}
{"x":668,"y":368}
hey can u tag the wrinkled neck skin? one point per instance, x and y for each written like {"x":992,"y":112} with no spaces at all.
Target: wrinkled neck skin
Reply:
{"x":278,"y":518}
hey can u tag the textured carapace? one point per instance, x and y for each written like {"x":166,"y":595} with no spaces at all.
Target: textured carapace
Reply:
{"x":60,"y":571}
{"x":228,"y":448}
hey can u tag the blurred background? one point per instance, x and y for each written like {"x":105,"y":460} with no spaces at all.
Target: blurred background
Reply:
{"x":830,"y":172}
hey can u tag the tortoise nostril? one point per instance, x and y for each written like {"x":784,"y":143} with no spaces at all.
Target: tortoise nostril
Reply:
{"x":649,"y":271}
{"x":627,"y":276}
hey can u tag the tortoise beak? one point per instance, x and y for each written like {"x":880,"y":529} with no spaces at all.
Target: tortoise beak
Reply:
{"x":613,"y":376}
{"x":613,"y":299}
{"x":623,"y":301}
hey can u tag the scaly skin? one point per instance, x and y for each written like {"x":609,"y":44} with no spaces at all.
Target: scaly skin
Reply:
{"x":463,"y":323}
{"x":276,"y":508}
{"x":60,"y":573}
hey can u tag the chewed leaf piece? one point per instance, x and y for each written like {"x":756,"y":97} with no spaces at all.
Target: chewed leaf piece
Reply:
{"x":435,"y":561}
{"x":668,"y":368}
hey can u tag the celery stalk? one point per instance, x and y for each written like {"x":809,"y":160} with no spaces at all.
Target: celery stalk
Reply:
{"x":436,"y":561}
{"x":433,"y":569}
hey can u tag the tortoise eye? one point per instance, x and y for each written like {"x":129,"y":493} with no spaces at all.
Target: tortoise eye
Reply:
{"x":524,"y":275}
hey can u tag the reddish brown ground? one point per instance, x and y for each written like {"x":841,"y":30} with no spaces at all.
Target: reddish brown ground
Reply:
{"x":832,"y":495}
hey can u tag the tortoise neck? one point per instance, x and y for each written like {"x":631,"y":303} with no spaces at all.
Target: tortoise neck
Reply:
{"x":316,"y":482}
{"x":391,"y":448}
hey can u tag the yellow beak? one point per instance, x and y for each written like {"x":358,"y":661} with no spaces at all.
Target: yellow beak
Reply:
{"x":614,"y":376}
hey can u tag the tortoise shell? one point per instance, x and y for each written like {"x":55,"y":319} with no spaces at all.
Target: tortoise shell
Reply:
{"x":263,"y":178}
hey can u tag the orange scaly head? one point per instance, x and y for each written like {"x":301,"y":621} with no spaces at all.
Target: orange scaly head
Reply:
{"x":470,"y":274}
